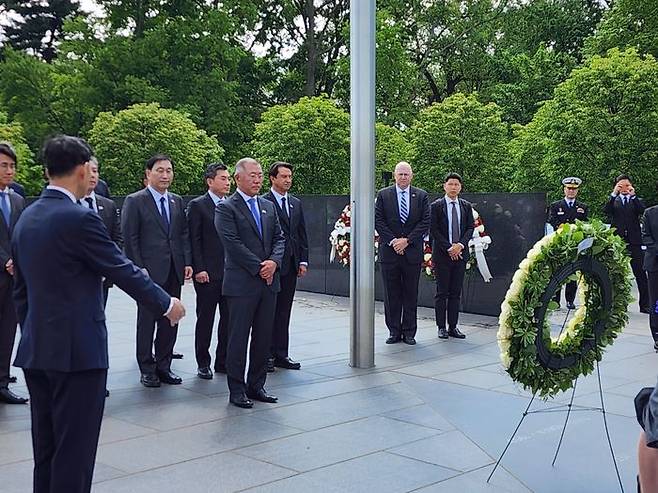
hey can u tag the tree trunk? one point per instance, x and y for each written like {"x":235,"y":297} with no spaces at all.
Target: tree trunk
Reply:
{"x":311,"y":64}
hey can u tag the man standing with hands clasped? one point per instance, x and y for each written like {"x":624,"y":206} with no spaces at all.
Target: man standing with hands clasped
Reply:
{"x":402,"y":217}
{"x":61,"y":252}
{"x":451,"y":228}
{"x":253,"y":251}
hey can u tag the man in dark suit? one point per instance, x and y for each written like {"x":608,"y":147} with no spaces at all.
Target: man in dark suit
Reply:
{"x":107,"y":210}
{"x":11,"y":207}
{"x":18,"y":188}
{"x":253,"y":252}
{"x":208,"y":266}
{"x":402,"y":218}
{"x":650,"y":240}
{"x":568,"y":210}
{"x":156,"y":238}
{"x":295,"y":261}
{"x":61,"y":251}
{"x":624,"y":210}
{"x":451,"y":228}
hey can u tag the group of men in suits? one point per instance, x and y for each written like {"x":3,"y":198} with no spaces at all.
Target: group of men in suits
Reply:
{"x":403,"y":217}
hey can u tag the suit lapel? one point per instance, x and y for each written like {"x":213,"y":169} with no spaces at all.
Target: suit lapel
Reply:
{"x":396,"y":203}
{"x":13,"y":216}
{"x":246,"y":212}
{"x":150,"y":205}
{"x":173,"y":213}
{"x":277,"y":206}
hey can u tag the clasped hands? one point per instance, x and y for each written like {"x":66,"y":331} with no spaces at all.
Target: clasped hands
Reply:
{"x":455,"y":251}
{"x":267,"y":270}
{"x":400,"y":245}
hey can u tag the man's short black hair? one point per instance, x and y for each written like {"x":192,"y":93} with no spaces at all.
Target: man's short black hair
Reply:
{"x":61,"y":154}
{"x":212,"y":169}
{"x":453,"y":176}
{"x":8,"y":150}
{"x":274,"y":169}
{"x":155,"y":158}
{"x":621,"y":177}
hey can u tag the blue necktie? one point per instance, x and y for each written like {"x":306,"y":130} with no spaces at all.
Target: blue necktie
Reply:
{"x":404,"y":211}
{"x":163,"y":212}
{"x":256,"y":214}
{"x":4,"y":206}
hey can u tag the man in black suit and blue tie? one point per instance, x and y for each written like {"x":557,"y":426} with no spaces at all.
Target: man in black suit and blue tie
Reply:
{"x":402,"y":217}
{"x":11,"y":207}
{"x":156,"y":238}
{"x":451,"y":228}
{"x":208,"y":265}
{"x":294,"y":264}
{"x":253,"y":251}
{"x":61,"y":252}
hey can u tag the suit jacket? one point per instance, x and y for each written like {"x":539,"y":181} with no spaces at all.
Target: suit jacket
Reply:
{"x":389,"y":226}
{"x":559,"y":213}
{"x":61,"y":252}
{"x":294,"y":231}
{"x":207,"y":249}
{"x":102,"y":189}
{"x":111,"y":217}
{"x":18,"y":188}
{"x":244,"y":249}
{"x":145,"y":236}
{"x":626,"y":218}
{"x":17,"y":204}
{"x":650,"y":238}
{"x":439,"y":229}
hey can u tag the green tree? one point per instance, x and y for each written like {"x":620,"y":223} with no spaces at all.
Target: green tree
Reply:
{"x":629,"y":24}
{"x":37,"y":26}
{"x":28,"y":174}
{"x":465,"y":136}
{"x":123,"y":142}
{"x":391,"y":147}
{"x":314,"y":136}
{"x":601,"y":122}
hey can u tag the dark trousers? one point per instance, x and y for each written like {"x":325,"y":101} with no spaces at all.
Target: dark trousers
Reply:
{"x":7,"y":329}
{"x":165,"y":337}
{"x":281,"y":327}
{"x":637,"y":259}
{"x":653,"y":297}
{"x":106,"y":293}
{"x":569,"y":292}
{"x":249,"y":314}
{"x":449,"y":281}
{"x":208,"y":298}
{"x":400,"y":281}
{"x":67,"y":409}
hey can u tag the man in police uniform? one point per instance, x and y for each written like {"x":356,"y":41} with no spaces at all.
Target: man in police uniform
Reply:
{"x":568,"y":210}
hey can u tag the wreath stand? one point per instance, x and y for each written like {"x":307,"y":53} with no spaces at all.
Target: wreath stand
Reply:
{"x":599,"y":273}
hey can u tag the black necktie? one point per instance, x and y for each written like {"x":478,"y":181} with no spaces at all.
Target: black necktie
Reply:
{"x":90,"y":202}
{"x":163,"y":212}
{"x":284,"y":208}
{"x":455,"y":223}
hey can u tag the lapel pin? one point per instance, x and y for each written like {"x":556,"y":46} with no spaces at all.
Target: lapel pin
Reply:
{"x":264,"y":211}
{"x":100,"y":208}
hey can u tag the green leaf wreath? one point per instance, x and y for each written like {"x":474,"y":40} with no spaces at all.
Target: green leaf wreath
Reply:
{"x":518,"y":327}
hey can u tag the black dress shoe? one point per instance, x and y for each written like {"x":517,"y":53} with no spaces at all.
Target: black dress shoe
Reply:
{"x":409,"y":340}
{"x":169,"y":377}
{"x":270,"y":365}
{"x":287,"y":363}
{"x":150,"y":380}
{"x":8,"y":397}
{"x":571,"y":305}
{"x":456,"y":333}
{"x":176,"y":356}
{"x":443,"y":333}
{"x":240,"y":400}
{"x":262,"y":396}
{"x":220,"y":368}
{"x":107,"y":393}
{"x":393,"y":339}
{"x":204,"y":373}
{"x":13,"y":379}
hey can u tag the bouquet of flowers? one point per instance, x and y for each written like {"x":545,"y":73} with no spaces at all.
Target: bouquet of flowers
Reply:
{"x":340,"y":238}
{"x":428,"y":265}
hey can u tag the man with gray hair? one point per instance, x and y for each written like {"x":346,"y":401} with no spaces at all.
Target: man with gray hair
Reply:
{"x":250,"y":232}
{"x":402,"y":218}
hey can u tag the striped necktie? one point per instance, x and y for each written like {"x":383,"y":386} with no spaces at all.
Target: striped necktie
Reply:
{"x":404,"y":209}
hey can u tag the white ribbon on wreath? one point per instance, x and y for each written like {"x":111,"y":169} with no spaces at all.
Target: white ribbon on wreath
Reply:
{"x":478,"y":244}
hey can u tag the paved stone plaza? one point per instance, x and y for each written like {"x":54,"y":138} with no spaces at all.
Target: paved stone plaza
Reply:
{"x":429,"y":418}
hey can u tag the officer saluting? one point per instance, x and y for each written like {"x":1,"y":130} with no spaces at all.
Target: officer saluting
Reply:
{"x":563,"y":211}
